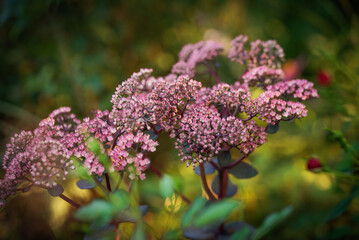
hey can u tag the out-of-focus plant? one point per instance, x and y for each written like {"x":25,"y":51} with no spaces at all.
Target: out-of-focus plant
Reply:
{"x":209,"y":124}
{"x":346,"y":176}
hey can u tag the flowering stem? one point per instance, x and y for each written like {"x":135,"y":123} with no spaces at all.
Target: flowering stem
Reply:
{"x":155,"y":171}
{"x":213,"y":73}
{"x":24,"y":188}
{"x":205,"y":184}
{"x":119,"y":181}
{"x":108,"y":183}
{"x":223,"y":183}
{"x":117,"y":230}
{"x":130,"y":187}
{"x":100,"y":185}
{"x":115,"y":137}
{"x":214,"y":165}
{"x":234,"y":163}
{"x":70,"y":201}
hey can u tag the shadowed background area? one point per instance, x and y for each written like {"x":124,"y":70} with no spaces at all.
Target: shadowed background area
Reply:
{"x":75,"y":52}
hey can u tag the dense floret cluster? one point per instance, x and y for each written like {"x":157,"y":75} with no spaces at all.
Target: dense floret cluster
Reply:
{"x":204,"y":121}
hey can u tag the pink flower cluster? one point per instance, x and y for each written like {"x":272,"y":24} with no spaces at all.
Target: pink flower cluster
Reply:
{"x":129,"y":153}
{"x":227,"y":99}
{"x":203,"y":120}
{"x":261,"y":53}
{"x":192,"y":55}
{"x":203,"y":133}
{"x":262,"y":76}
{"x":172,"y":98}
{"x":101,"y":128}
{"x":41,"y":157}
{"x":299,"y":88}
{"x":270,"y":108}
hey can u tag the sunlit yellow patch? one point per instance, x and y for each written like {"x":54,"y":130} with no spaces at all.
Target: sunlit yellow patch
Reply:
{"x":59,"y":211}
{"x":173,"y":204}
{"x":323,"y":182}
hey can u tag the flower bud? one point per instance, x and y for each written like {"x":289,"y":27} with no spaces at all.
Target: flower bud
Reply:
{"x":313,"y":164}
{"x":324,"y":78}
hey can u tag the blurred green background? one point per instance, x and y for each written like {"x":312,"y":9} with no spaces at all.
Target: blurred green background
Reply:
{"x":75,"y":52}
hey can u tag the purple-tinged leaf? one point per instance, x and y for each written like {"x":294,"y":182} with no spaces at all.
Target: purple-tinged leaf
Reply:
{"x":208,"y":169}
{"x":198,"y":233}
{"x":224,"y":158}
{"x":231,"y":188}
{"x":84,"y":184}
{"x":272,"y":128}
{"x":56,"y":190}
{"x":243,"y":170}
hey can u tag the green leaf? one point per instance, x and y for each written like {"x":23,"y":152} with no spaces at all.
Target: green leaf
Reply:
{"x":239,"y":230}
{"x":216,"y":212}
{"x":272,"y":221}
{"x":340,"y":207}
{"x":178,"y":183}
{"x":139,"y":233}
{"x":120,"y":199}
{"x":197,"y":205}
{"x":94,"y":146}
{"x":132,"y":214}
{"x":224,"y":158}
{"x":241,"y":234}
{"x":166,"y":186}
{"x":98,"y":210}
{"x":243,"y":170}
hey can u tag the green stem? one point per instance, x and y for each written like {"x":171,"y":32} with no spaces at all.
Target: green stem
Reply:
{"x":100,"y":185}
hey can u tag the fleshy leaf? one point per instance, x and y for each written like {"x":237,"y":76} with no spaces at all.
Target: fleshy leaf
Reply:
{"x":85,"y":184}
{"x":198,"y":233}
{"x":272,"y":221}
{"x":243,"y":170}
{"x":224,"y":158}
{"x":272,"y":128}
{"x":216,"y":212}
{"x":197,"y":205}
{"x":340,"y":207}
{"x":98,"y":210}
{"x":56,"y":190}
{"x":239,"y":230}
{"x":120,"y":199}
{"x":129,"y":216}
{"x":166,"y":186}
{"x":208,"y":169}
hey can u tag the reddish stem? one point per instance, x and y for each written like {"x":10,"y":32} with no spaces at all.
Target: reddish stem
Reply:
{"x":70,"y":201}
{"x":24,"y":188}
{"x":117,"y":230}
{"x":205,"y":184}
{"x":108,"y":183}
{"x":155,"y":171}
{"x":229,"y":166}
{"x":214,"y":165}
